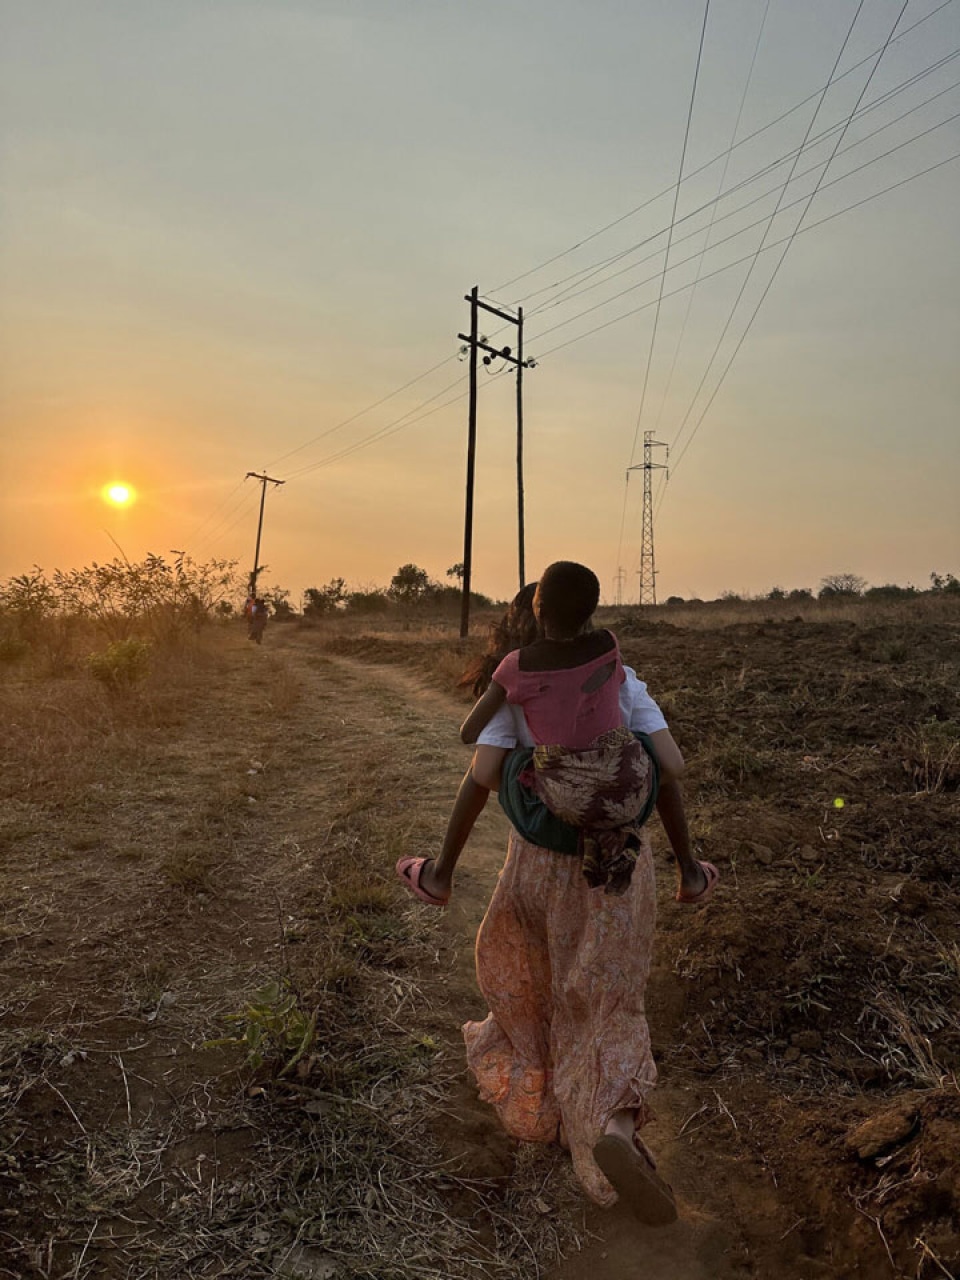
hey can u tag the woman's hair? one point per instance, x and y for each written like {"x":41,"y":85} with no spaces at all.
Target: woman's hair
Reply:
{"x":567,"y":596}
{"x":517,"y":627}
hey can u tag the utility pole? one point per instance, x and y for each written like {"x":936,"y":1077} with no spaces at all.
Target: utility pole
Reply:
{"x":475,"y":343}
{"x":618,"y":579}
{"x":264,"y":481}
{"x":471,"y":468}
{"x":521,"y":557}
{"x":648,"y":569}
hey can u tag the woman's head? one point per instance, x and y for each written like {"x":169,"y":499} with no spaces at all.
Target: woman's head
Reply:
{"x":566,"y":598}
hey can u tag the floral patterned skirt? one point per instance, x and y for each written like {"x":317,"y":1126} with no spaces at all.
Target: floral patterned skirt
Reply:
{"x":563,"y":969}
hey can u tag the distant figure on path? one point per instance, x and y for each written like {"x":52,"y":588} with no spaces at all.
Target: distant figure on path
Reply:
{"x":257,"y":619}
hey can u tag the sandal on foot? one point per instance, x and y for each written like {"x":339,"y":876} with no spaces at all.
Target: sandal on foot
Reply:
{"x":410,"y":870}
{"x":629,"y":1168}
{"x":712,"y":877}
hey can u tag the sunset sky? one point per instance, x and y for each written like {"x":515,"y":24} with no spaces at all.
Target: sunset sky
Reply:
{"x":229,"y":227}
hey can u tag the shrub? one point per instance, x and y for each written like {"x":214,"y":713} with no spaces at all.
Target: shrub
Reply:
{"x":368,"y":602}
{"x":841,"y":584}
{"x":121,"y":664}
{"x":325,"y":600}
{"x":409,"y":584}
{"x":945,"y":582}
{"x":272,"y":1028}
{"x":889,"y":591}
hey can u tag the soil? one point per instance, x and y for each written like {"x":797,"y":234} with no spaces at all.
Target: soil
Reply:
{"x":806,"y":1021}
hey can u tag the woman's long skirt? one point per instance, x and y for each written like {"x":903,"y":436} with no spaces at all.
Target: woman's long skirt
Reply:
{"x":563,"y":969}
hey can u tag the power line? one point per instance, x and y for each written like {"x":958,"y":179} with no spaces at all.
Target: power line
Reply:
{"x":790,"y":240}
{"x":361,"y":412}
{"x":415,"y":415}
{"x":227,"y":516}
{"x":250,"y":501}
{"x":673,"y":219}
{"x":713,"y":214}
{"x":381,"y":431}
{"x":595,"y":269}
{"x":411,"y":382}
{"x":773,"y":245}
{"x":694,"y":172}
{"x":195,"y":531}
{"x":663,"y":274}
{"x":733,"y":236}
{"x":746,"y":205}
{"x":776,"y":210}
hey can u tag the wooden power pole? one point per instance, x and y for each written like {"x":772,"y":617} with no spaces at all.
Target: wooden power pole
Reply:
{"x":264,"y":481}
{"x":475,"y":343}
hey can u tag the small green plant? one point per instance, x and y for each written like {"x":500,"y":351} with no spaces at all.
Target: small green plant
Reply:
{"x":121,"y":664}
{"x":273,"y":1028}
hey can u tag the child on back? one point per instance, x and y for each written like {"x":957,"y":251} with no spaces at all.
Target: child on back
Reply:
{"x":588,"y":769}
{"x":592,"y":697}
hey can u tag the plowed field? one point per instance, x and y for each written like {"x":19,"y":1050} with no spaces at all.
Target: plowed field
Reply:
{"x":234,"y":823}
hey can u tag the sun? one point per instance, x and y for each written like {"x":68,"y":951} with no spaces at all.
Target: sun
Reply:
{"x":118,"y":495}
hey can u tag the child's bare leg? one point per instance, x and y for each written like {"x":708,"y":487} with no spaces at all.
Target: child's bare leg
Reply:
{"x":437,"y":874}
{"x":691,"y":876}
{"x":487,"y":766}
{"x":481,"y":778}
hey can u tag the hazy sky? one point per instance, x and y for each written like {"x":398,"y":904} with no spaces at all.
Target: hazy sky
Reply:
{"x":228,"y":226}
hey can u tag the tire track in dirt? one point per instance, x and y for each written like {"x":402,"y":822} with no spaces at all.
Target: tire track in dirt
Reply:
{"x":717,"y":1195}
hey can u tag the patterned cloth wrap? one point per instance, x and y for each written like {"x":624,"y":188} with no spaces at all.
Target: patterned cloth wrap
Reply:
{"x":606,"y":792}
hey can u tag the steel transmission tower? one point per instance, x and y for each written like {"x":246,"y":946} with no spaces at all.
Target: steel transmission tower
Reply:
{"x":648,"y":569}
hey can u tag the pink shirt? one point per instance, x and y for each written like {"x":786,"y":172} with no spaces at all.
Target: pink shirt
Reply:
{"x":557,"y":710}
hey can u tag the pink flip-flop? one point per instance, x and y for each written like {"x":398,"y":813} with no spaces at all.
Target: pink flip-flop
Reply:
{"x":630,"y":1169}
{"x":712,"y":876}
{"x":409,"y":870}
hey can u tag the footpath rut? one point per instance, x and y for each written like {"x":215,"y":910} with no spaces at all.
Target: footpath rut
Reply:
{"x":712,"y":1191}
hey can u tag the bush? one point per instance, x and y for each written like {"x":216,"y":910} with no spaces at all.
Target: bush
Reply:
{"x":121,"y":664}
{"x":368,"y":602}
{"x":945,"y":582}
{"x":890,"y":591}
{"x":841,"y":584}
{"x":409,"y":584}
{"x":321,"y":601}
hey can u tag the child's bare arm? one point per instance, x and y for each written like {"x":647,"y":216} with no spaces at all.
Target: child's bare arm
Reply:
{"x":668,"y":756}
{"x":482,"y":713}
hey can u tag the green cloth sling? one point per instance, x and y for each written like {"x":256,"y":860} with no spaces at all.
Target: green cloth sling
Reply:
{"x":531,"y":817}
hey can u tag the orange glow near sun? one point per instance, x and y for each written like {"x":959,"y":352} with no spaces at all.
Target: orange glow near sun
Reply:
{"x":118,"y":495}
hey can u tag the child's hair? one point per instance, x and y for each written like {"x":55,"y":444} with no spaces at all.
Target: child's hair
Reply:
{"x":517,"y":627}
{"x":567,"y":596}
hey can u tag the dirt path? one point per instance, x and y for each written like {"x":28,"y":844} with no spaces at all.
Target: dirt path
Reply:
{"x":723,"y":1201}
{"x":173,"y":877}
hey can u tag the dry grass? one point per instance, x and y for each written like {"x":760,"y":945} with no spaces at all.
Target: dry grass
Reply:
{"x":711,"y":615}
{"x":129,"y":1148}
